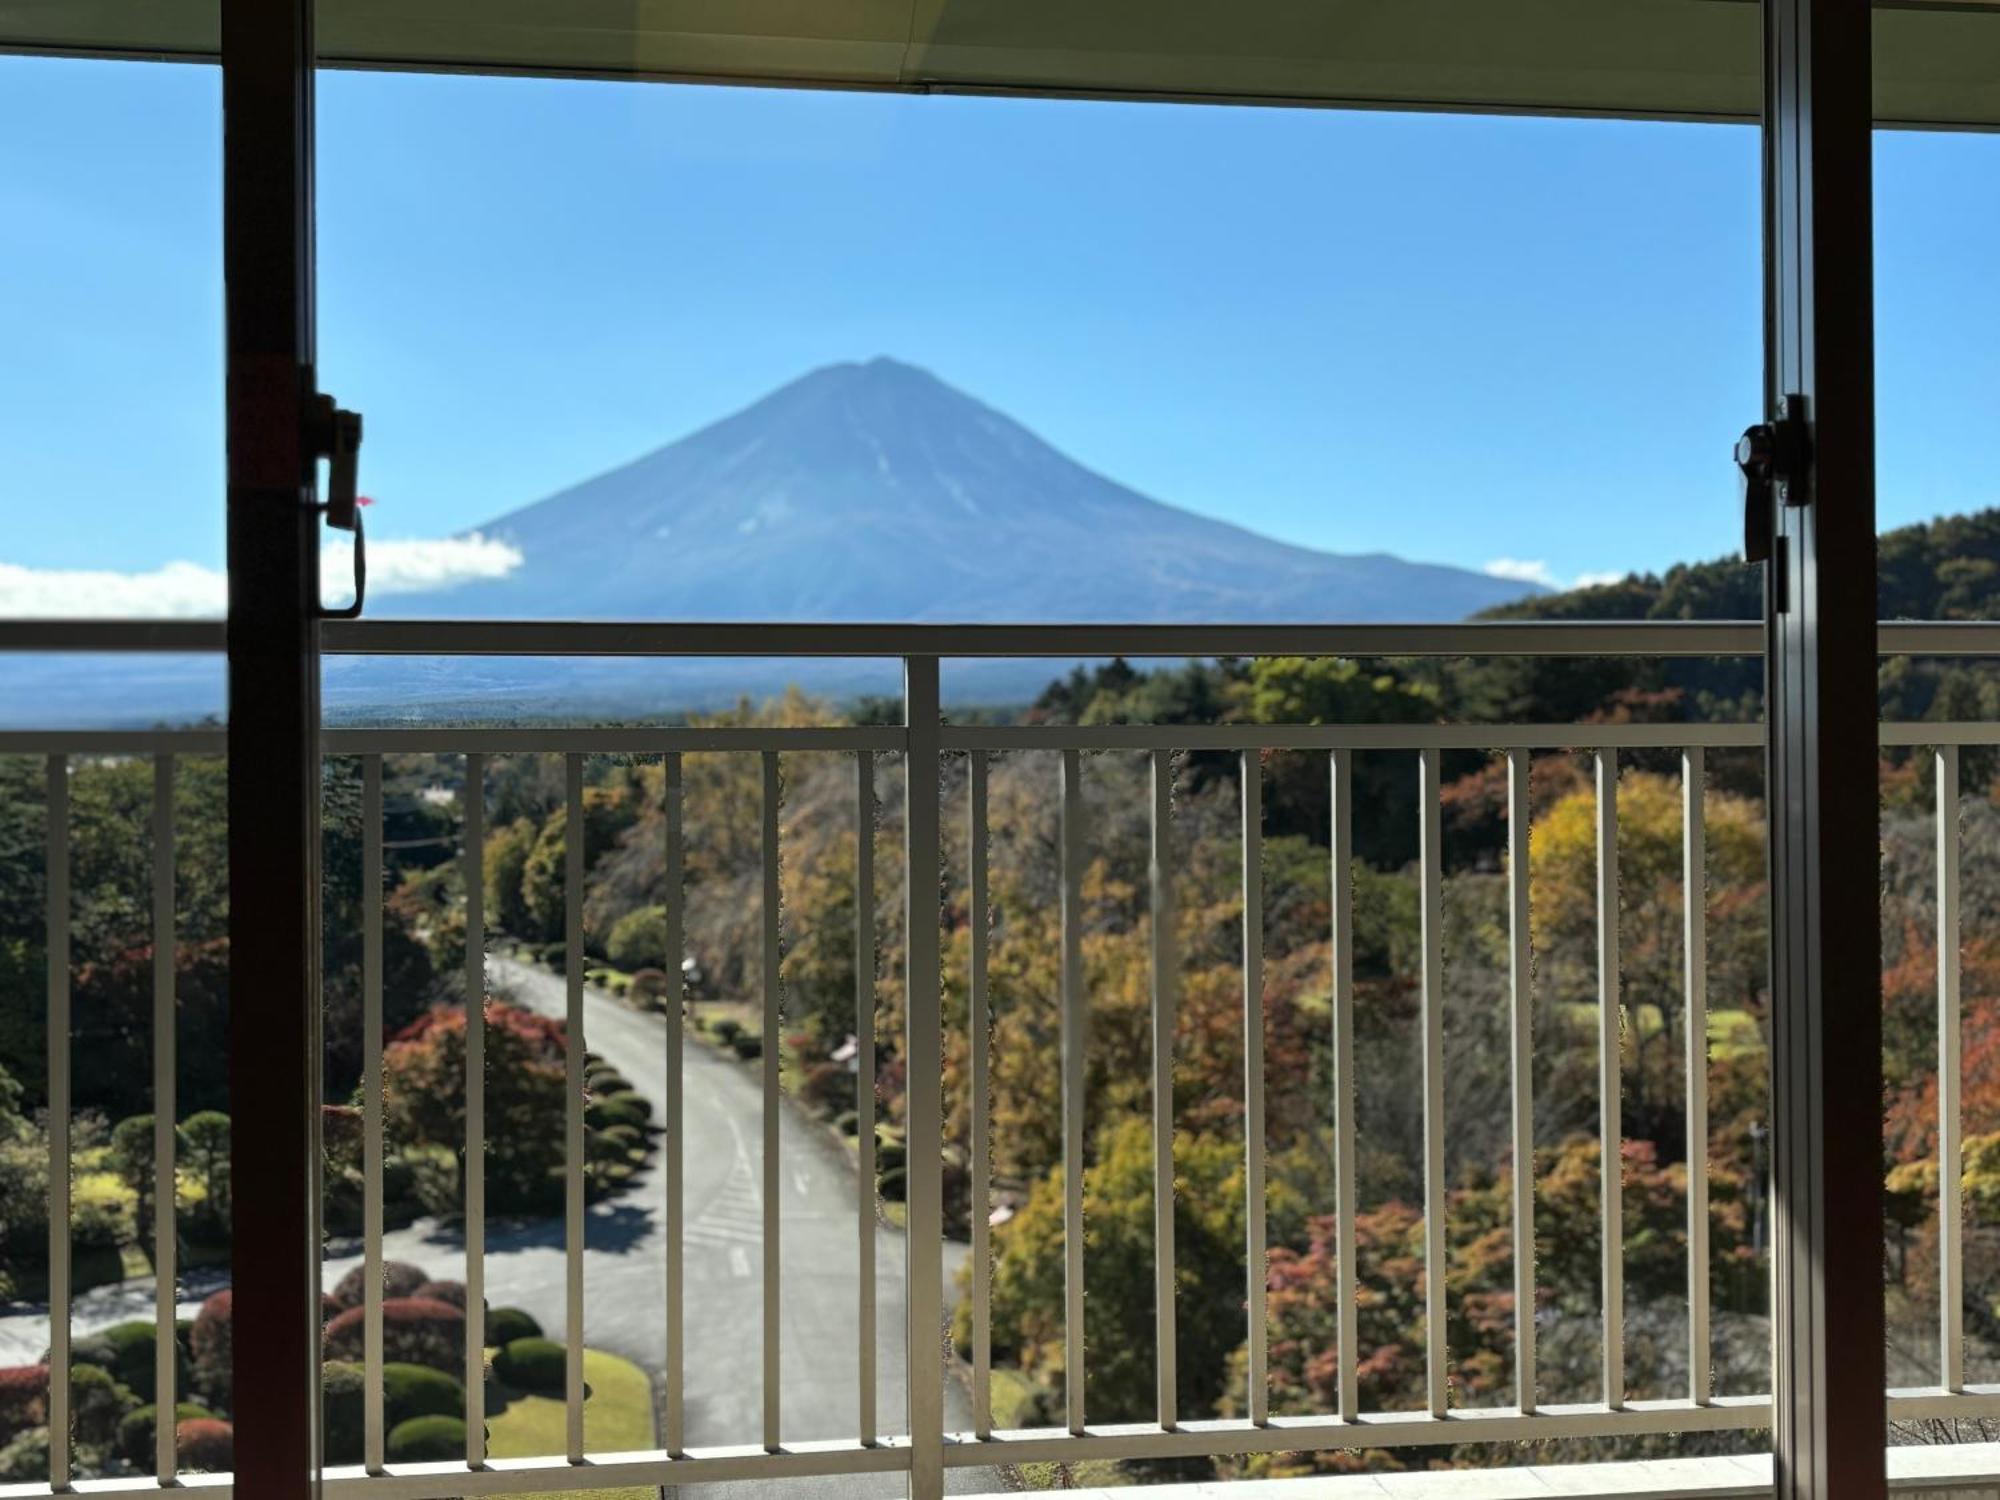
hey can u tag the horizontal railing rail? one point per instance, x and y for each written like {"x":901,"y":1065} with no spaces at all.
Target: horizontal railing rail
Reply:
{"x":930,"y":1448}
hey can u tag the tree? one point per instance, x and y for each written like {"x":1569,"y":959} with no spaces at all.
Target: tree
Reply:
{"x":423,"y":1072}
{"x":205,"y":1141}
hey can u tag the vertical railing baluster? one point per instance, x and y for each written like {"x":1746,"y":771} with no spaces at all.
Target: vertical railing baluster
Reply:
{"x":372,"y":1403}
{"x":475,"y":1102}
{"x":1610,"y":1118}
{"x":924,"y":1099}
{"x":674,"y":958}
{"x":864,"y":1082}
{"x":1694,"y":910}
{"x":58,"y":896}
{"x":1075,"y":1038}
{"x":772,"y":1024}
{"x":1951,"y":1218}
{"x":1346,"y":1314}
{"x":573,"y":1158}
{"x":1521,"y":1025}
{"x":1431,"y":862}
{"x":1166,"y":1008}
{"x":166,"y":1383}
{"x":979,"y":1026}
{"x":1256,"y":1249}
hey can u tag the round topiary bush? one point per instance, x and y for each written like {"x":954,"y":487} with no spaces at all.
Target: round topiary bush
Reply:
{"x":426,"y":1440}
{"x":746,"y":1046}
{"x":135,"y":1432}
{"x":343,"y":1394}
{"x":847,"y":1122}
{"x":410,"y":1391}
{"x":205,"y":1445}
{"x":443,"y":1291}
{"x":534,"y":1365}
{"x":726,"y":1030}
{"x":415,"y":1331}
{"x":504,"y":1325}
{"x":893,"y":1185}
{"x":608,"y":1081}
{"x":399,"y":1279}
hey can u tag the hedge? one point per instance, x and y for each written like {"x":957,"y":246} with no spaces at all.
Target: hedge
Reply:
{"x":534,"y":1365}
{"x":410,"y":1391}
{"x":427,"y":1440}
{"x":443,"y":1291}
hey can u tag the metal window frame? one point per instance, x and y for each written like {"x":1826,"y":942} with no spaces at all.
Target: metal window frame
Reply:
{"x":1830,"y":1413}
{"x":273,"y":740}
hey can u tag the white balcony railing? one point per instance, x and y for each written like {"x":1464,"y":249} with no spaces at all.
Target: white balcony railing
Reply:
{"x":926,"y":1449}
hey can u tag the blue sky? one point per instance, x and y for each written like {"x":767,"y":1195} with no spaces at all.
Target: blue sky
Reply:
{"x":1480,"y":341}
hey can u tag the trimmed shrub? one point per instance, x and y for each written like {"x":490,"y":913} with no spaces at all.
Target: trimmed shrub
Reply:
{"x":619,"y":1109}
{"x":135,"y":1432}
{"x":343,"y":1393}
{"x":603,"y":1085}
{"x":206,"y":1445}
{"x":506,"y":1324}
{"x":209,"y":1348}
{"x":97,"y":1404}
{"x":125,"y":1350}
{"x":399,"y":1279}
{"x":893,"y":1185}
{"x":726,"y":1029}
{"x":415,"y":1331}
{"x":625,"y":1138}
{"x":847,"y":1122}
{"x":638,"y":937}
{"x":746,"y":1046}
{"x":426,"y":1440}
{"x":24,"y":1399}
{"x":891,"y":1153}
{"x":443,"y":1291}
{"x":533,"y":1364}
{"x":416,"y":1391}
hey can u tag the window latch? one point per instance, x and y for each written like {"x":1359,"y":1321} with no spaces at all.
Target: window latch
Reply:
{"x":335,"y":435}
{"x":1775,"y":459}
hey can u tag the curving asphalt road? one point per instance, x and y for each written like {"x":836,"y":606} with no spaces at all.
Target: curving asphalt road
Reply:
{"x":625,"y":1261}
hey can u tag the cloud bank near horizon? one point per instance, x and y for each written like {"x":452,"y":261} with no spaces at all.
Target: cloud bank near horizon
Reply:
{"x":191,"y":591}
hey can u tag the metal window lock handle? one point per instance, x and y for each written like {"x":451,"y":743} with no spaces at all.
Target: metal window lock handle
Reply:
{"x":1775,"y":458}
{"x":335,"y":435}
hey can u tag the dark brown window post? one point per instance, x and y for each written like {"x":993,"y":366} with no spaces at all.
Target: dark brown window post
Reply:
{"x":1830,"y":1418}
{"x":267,"y":60}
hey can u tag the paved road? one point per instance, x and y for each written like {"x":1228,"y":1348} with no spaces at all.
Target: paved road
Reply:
{"x":625,"y":1260}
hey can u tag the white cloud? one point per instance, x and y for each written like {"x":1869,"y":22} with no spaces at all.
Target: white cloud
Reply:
{"x":185,"y":590}
{"x":1524,"y":570}
{"x":1521,"y":570}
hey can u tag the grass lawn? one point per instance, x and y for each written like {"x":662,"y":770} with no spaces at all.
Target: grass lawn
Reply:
{"x":617,"y":1418}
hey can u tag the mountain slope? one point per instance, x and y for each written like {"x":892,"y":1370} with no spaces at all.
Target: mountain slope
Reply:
{"x":877,"y":492}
